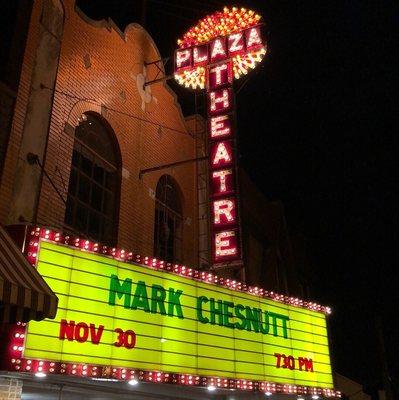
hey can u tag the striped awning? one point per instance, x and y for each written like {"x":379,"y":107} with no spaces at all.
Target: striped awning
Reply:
{"x":24,"y":295}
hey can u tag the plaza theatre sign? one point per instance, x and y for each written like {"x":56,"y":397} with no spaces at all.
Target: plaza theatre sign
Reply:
{"x":220,"y":48}
{"x":134,"y":318}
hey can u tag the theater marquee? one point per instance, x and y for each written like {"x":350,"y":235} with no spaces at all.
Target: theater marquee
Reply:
{"x":168,"y":323}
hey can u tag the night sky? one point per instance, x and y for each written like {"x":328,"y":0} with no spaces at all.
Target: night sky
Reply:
{"x":317,"y":131}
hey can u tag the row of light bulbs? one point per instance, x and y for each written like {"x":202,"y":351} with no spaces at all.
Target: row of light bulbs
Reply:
{"x":211,"y":388}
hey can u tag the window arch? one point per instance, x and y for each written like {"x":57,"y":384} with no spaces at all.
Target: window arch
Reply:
{"x":94,"y":185}
{"x":168,"y":224}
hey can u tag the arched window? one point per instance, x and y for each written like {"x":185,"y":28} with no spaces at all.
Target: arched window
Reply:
{"x":168,"y":220}
{"x":94,"y":185}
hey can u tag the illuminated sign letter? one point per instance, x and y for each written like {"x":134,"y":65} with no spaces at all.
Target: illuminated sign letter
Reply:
{"x":220,"y":126}
{"x":235,"y":42}
{"x":224,"y":211}
{"x":200,"y":54}
{"x":225,"y":243}
{"x":183,"y":58}
{"x":218,"y":49}
{"x":253,"y":37}
{"x":217,"y":70}
{"x":220,"y":75}
{"x":222,"y":178}
{"x":119,"y":290}
{"x":222,"y":155}
{"x":219,"y":100}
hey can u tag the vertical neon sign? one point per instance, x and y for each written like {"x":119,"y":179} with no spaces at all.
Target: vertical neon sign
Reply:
{"x":220,"y":48}
{"x":222,"y":157}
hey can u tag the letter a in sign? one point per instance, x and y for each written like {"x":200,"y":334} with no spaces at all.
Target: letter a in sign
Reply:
{"x":222,"y":155}
{"x":218,"y":49}
{"x":253,"y":37}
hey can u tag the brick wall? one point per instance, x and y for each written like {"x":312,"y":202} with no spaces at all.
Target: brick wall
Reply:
{"x":101,"y":70}
{"x":10,"y":162}
{"x":7,"y":98}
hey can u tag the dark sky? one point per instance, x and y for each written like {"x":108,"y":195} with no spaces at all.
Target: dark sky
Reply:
{"x":317,"y":130}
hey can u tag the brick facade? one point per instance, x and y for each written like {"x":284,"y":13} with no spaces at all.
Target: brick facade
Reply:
{"x":20,"y":108}
{"x":102,"y":70}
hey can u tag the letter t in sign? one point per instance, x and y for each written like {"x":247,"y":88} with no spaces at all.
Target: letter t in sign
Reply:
{"x":220,"y":75}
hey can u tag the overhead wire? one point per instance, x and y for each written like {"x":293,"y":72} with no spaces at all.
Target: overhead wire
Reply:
{"x":149,"y":189}
{"x":124,"y":113}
